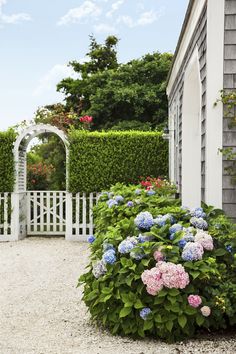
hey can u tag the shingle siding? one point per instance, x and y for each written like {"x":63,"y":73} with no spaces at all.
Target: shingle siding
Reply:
{"x":229,"y":133}
{"x":176,"y":96}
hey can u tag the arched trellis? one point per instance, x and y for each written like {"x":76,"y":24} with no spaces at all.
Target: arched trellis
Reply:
{"x":20,"y":149}
{"x":44,"y":212}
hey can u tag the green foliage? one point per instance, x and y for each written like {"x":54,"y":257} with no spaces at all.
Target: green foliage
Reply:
{"x":46,"y":164}
{"x":116,"y":295}
{"x":99,"y":159}
{"x":111,"y":92}
{"x":7,"y":140}
{"x":131,"y":125}
{"x":228,"y":99}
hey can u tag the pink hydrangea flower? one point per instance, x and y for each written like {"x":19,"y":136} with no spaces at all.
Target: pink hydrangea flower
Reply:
{"x":206,"y":311}
{"x":173,"y":275}
{"x":158,"y":256}
{"x":152,"y":278}
{"x":205,"y":240}
{"x":165,"y":274}
{"x":194,"y":300}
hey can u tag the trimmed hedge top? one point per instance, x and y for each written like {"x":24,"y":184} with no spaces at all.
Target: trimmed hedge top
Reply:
{"x":98,"y":160}
{"x":7,"y":161}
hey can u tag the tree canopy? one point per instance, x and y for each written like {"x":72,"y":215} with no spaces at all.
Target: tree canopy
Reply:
{"x":113,"y":92}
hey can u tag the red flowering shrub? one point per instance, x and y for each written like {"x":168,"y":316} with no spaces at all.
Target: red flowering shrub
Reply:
{"x":38,"y":176}
{"x":157,"y":184}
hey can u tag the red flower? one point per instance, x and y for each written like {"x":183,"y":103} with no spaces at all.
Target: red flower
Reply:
{"x":86,"y":119}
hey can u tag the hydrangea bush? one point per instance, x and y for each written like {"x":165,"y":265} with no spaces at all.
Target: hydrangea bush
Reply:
{"x":159,"y":269}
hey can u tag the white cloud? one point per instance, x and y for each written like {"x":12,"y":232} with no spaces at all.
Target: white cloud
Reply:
{"x":78,"y":14}
{"x":146,"y":18}
{"x":114,"y":7}
{"x":49,"y":81}
{"x":104,"y":28}
{"x":13,"y":18}
{"x":126,"y":20}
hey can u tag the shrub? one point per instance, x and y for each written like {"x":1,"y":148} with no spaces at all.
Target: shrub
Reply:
{"x":132,"y":125}
{"x":99,"y":159}
{"x":7,"y":161}
{"x":152,"y":273}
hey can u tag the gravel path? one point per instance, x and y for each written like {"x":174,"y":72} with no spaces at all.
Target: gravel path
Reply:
{"x":41,"y":311}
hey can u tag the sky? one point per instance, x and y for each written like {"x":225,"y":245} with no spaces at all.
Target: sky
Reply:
{"x":39,"y":37}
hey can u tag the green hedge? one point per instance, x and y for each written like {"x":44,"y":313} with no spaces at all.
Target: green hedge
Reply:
{"x":7,"y":161}
{"x":98,"y":160}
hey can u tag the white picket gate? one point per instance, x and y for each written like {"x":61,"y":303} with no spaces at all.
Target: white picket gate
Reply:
{"x":47,"y":213}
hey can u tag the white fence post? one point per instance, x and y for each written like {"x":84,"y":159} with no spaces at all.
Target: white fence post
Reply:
{"x":69,"y":215}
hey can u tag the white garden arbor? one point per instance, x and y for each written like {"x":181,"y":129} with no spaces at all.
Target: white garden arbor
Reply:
{"x":44,"y":212}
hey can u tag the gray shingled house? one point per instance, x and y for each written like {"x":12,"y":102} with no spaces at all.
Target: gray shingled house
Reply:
{"x":204,"y":64}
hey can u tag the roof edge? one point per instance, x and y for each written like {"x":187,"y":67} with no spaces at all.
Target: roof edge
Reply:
{"x":184,"y":26}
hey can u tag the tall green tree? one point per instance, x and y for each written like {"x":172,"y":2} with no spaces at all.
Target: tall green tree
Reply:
{"x":113,"y":92}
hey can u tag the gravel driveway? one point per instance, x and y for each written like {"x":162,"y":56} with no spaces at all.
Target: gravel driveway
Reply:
{"x":41,"y":310}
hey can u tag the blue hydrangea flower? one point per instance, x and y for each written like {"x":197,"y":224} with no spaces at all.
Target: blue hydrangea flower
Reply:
{"x":199,"y":223}
{"x":137,"y":191}
{"x":137,"y":254}
{"x":188,"y":236}
{"x":144,"y":220}
{"x":108,"y":246}
{"x":99,"y":269}
{"x":198,"y":213}
{"x":119,"y":198}
{"x":169,"y":217}
{"x":175,"y":228}
{"x":141,"y":238}
{"x":109,"y":257}
{"x":111,"y":203}
{"x":229,"y":248}
{"x":130,"y":204}
{"x":193,"y":251}
{"x":144,"y":313}
{"x":159,"y":221}
{"x":151,"y":192}
{"x":182,"y":243}
{"x":125,"y":246}
{"x":91,"y":238}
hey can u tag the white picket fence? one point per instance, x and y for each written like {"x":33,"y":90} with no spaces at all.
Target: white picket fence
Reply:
{"x":47,"y":213}
{"x":5,"y":215}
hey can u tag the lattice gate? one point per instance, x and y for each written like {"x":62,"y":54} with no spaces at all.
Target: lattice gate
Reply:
{"x":46,"y":213}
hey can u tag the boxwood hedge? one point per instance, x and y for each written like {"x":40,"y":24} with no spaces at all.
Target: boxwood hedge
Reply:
{"x":7,"y":161}
{"x":98,"y":160}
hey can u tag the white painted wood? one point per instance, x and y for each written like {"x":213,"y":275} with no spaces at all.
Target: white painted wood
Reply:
{"x":48,"y":211}
{"x":84,"y":218}
{"x":91,"y":196}
{"x":20,"y":148}
{"x":46,"y":214}
{"x":191,"y":134}
{"x":190,"y":28}
{"x":5,"y":224}
{"x":61,"y":206}
{"x":69,"y":216}
{"x":215,"y":83}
